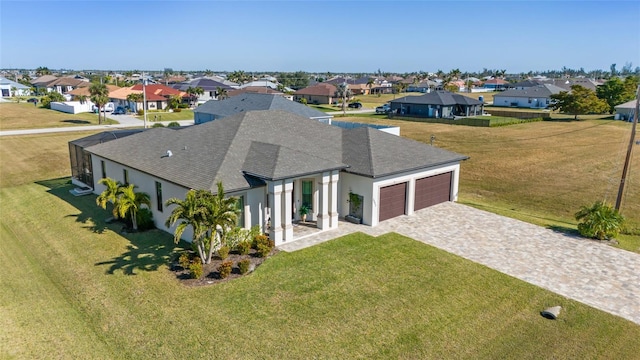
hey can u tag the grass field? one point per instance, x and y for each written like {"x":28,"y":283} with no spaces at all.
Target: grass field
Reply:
{"x":540,"y":172}
{"x":72,"y":287}
{"x":185,"y":114}
{"x":14,"y":116}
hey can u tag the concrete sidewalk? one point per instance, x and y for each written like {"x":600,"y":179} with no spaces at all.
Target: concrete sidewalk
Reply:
{"x":126,"y":121}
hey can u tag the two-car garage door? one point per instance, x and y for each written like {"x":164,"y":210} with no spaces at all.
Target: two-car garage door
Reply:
{"x":428,"y":191}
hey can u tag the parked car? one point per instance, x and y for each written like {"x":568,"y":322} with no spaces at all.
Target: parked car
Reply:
{"x":355,"y":105}
{"x":383,"y":109}
{"x":33,"y":100}
{"x":119,"y":111}
{"x":108,"y":107}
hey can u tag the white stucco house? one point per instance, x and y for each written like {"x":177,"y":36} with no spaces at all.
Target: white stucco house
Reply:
{"x":274,"y":162}
{"x":535,"y":97}
{"x":9,"y":88}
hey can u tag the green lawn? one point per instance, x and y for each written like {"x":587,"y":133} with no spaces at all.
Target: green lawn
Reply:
{"x":14,"y":116}
{"x":73,"y":287}
{"x":185,"y":114}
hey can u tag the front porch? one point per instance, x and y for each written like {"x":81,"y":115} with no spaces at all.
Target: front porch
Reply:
{"x":318,"y":193}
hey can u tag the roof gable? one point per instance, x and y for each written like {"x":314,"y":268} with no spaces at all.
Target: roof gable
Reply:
{"x":440,"y":97}
{"x":254,"y":101}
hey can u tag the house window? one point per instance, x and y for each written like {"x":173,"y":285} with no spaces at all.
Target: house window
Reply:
{"x":125,"y":176}
{"x":529,"y":100}
{"x":240,"y":208}
{"x":307,"y":193}
{"x":159,"y":195}
{"x":104,"y":169}
{"x":547,"y":101}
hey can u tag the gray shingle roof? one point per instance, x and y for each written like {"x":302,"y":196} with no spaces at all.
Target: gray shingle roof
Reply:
{"x":204,"y":83}
{"x":439,"y":97}
{"x":253,"y":101}
{"x":541,"y":91}
{"x":242,"y":149}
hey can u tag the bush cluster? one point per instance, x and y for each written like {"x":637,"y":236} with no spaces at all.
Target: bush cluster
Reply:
{"x":173,"y":124}
{"x":195,"y":268}
{"x":225,"y":269}
{"x":223,"y":252}
{"x":145,"y":219}
{"x":184,"y":260}
{"x":243,"y":266}
{"x":263,"y":245}
{"x":243,"y":247}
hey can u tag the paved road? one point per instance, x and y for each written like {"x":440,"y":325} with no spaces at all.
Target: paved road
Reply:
{"x":125,"y":121}
{"x":591,"y":272}
{"x":349,"y":111}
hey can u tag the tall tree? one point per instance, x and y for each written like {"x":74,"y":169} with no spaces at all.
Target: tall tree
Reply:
{"x":616,"y":92}
{"x":175,"y":101}
{"x":579,"y":101}
{"x":43,"y":70}
{"x":194,"y":92}
{"x":221,"y":215}
{"x":344,"y":93}
{"x":238,"y":76}
{"x":370,"y":84}
{"x":455,"y":74}
{"x":136,"y":98}
{"x":129,"y":202}
{"x":99,"y":96}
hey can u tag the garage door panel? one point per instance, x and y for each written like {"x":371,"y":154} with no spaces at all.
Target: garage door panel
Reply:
{"x":393,"y":201}
{"x":432,"y":190}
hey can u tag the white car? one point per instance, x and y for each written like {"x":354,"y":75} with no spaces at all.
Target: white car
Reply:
{"x":383,"y":109}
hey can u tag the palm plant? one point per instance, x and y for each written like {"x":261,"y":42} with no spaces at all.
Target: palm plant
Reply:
{"x":344,"y":93}
{"x":82,"y":98}
{"x":188,"y":212}
{"x":599,"y":221}
{"x":129,"y":202}
{"x":221,"y":213}
{"x":174,"y":101}
{"x":221,"y":93}
{"x":109,"y":194}
{"x":370,"y":84}
{"x":99,"y":96}
{"x":194,"y":92}
{"x":135,"y":98}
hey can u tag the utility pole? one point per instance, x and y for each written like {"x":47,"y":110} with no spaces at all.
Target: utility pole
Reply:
{"x":625,"y":168}
{"x":144,"y":99}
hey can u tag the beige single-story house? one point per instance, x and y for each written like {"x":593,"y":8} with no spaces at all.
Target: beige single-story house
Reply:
{"x":275,"y":162}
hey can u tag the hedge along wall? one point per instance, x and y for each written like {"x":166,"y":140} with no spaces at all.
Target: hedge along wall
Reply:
{"x":480,"y":122}
{"x":519,"y":114}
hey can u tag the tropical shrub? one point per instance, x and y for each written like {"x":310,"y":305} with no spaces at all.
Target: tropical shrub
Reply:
{"x":223,"y":252}
{"x":263,"y":250}
{"x":145,"y":219}
{"x":173,"y":124}
{"x":157,"y":125}
{"x":51,"y":97}
{"x":140,"y":112}
{"x":259,"y":239}
{"x":243,"y":247}
{"x":243,"y":266}
{"x":600,"y":221}
{"x":184,"y":260}
{"x":177,"y":109}
{"x":225,"y":269}
{"x":195,"y":268}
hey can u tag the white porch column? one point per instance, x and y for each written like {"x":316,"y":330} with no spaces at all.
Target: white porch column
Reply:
{"x":333,"y":198}
{"x":287,"y":211}
{"x":323,"y":203}
{"x":275,"y":202}
{"x":411,"y":196}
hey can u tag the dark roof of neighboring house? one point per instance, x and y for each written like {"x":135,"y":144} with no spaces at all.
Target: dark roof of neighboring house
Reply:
{"x":253,"y":101}
{"x":320,"y":89}
{"x":103,"y":137}
{"x":243,"y":150}
{"x":204,"y":83}
{"x":524,"y":84}
{"x":542,"y":91}
{"x":567,"y":83}
{"x":440,"y":97}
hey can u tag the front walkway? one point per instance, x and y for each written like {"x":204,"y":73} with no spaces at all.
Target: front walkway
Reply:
{"x":587,"y":271}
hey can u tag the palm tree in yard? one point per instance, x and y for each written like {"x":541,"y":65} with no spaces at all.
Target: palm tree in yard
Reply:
{"x":82,"y":98}
{"x":344,"y":93}
{"x":221,"y":214}
{"x":194,"y":92}
{"x":189,"y":212}
{"x":221,"y":93}
{"x":109,"y":194}
{"x":99,"y":96}
{"x":135,"y":98}
{"x":129,"y":202}
{"x":370,"y":84}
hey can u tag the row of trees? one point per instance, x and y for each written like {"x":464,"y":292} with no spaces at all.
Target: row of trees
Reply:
{"x":581,"y":101}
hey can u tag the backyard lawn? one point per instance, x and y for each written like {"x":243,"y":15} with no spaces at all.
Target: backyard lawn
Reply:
{"x":185,"y":114}
{"x":14,"y":116}
{"x":74,"y":287}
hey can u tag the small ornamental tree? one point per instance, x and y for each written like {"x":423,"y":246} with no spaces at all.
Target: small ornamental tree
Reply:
{"x":579,"y":101}
{"x":599,"y":221}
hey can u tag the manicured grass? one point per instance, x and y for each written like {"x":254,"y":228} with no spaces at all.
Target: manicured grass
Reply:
{"x":540,"y":172}
{"x":185,"y":114}
{"x":28,"y":158}
{"x":14,"y":116}
{"x":373,"y":101}
{"x":73,"y":287}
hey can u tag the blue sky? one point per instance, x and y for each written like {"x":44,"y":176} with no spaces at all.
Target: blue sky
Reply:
{"x":319,"y":36}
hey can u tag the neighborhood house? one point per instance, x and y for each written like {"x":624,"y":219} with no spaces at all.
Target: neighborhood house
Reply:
{"x":275,"y":162}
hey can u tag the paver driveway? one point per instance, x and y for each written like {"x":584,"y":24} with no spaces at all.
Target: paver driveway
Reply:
{"x":584,"y":270}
